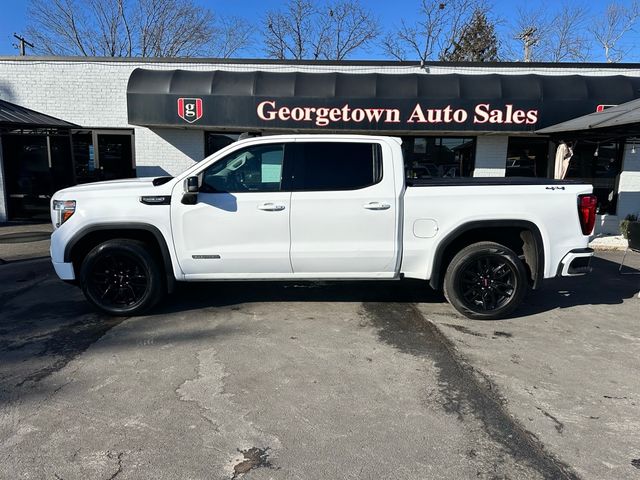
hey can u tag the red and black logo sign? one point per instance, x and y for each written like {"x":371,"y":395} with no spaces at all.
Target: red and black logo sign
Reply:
{"x":190,"y":109}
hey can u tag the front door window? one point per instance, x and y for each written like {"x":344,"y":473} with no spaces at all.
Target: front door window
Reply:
{"x":253,"y":169}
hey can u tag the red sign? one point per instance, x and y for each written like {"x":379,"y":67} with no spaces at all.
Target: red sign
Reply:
{"x":602,"y":108}
{"x":190,"y":109}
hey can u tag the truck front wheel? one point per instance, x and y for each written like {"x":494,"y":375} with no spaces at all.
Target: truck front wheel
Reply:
{"x":485,"y":281}
{"x":121,"y":277}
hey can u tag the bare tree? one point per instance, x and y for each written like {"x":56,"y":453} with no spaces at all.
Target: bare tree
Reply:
{"x":126,"y":28}
{"x":172,"y":28}
{"x":332,"y":31}
{"x":433,"y":36}
{"x":347,"y":27}
{"x":231,"y":35}
{"x":567,"y":38}
{"x":609,"y":29}
{"x":545,"y":35}
{"x":294,"y":32}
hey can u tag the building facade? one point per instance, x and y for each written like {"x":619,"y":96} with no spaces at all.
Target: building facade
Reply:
{"x":158,"y":117}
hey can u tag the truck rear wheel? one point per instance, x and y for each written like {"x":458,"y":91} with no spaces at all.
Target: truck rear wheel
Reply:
{"x":486,"y":281}
{"x":121,"y":277}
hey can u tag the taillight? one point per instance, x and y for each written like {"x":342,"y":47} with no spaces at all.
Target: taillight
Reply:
{"x":587,"y":212}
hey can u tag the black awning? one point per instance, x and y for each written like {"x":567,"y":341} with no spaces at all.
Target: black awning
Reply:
{"x":16,"y":116}
{"x":367,"y":101}
{"x":623,"y":117}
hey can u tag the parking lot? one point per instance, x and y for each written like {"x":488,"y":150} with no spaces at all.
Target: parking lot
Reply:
{"x":322,"y":380}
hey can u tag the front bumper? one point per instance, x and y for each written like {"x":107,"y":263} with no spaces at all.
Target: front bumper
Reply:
{"x":576,"y":262}
{"x":64,"y":270}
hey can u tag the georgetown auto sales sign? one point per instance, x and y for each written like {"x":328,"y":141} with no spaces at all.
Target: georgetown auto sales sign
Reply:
{"x":243,"y":113}
{"x":337,"y":101}
{"x":349,"y":116}
{"x":356,"y":114}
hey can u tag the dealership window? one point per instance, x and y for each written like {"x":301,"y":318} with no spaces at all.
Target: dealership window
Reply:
{"x":37,"y":163}
{"x":434,"y":157}
{"x":527,"y":157}
{"x":214,"y":141}
{"x":103,"y":155}
{"x":600,"y":165}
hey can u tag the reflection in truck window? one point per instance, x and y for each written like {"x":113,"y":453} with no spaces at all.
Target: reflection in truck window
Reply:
{"x":251,"y":169}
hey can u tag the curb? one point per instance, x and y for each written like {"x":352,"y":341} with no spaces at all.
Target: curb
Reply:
{"x":608,"y":243}
{"x":608,"y":248}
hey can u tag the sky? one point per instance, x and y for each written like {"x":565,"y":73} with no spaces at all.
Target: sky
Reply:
{"x":13,"y":18}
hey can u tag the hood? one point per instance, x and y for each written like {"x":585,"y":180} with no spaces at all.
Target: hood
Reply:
{"x":142,"y":184}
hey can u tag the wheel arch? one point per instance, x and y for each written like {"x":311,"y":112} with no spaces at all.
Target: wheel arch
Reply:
{"x":501,"y":231}
{"x":88,"y":237}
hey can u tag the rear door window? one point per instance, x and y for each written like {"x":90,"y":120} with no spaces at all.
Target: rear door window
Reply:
{"x":320,"y":166}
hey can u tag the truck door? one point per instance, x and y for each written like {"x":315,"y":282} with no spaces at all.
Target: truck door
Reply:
{"x":343,"y":210}
{"x":239,"y":226}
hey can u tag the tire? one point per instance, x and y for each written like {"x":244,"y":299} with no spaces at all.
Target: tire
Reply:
{"x":486,"y":281}
{"x":121,"y":277}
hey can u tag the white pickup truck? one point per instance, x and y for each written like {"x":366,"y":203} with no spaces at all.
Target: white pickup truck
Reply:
{"x":310,"y":207}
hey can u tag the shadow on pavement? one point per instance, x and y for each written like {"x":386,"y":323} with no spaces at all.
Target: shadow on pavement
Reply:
{"x":45,"y":323}
{"x":193,"y":296}
{"x":603,"y":286}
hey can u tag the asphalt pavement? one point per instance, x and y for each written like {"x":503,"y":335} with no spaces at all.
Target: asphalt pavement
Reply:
{"x":319,"y":380}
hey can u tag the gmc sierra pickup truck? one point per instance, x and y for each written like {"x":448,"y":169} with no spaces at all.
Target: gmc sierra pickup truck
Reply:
{"x":310,"y":207}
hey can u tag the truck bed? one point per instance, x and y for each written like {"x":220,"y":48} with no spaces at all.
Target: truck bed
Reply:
{"x":478,"y":181}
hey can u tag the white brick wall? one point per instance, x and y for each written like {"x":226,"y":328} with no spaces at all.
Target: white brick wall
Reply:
{"x":629,"y":187}
{"x":162,"y":151}
{"x":491,"y":155}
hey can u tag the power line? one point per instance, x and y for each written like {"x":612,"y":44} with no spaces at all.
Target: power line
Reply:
{"x":529,"y":39}
{"x":22,"y":45}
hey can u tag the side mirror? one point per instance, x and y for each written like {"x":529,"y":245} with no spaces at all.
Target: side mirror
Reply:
{"x":192,"y":185}
{"x":190,"y":197}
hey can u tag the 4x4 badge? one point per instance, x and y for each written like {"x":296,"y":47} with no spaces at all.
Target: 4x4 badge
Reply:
{"x":190,"y":109}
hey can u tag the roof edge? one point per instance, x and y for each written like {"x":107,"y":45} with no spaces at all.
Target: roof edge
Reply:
{"x":270,"y":61}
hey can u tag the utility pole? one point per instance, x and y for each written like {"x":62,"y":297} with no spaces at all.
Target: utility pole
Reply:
{"x":23,"y":42}
{"x":529,"y":39}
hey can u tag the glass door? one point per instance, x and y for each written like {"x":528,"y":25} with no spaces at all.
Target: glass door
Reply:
{"x":28,"y":177}
{"x":103,"y":155}
{"x":115,"y":156}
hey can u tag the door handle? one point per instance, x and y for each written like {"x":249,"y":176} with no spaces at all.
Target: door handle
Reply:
{"x":271,"y":207}
{"x":377,"y":206}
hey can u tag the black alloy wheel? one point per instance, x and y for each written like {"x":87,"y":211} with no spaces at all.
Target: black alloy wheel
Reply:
{"x":486,"y":280}
{"x":119,"y":280}
{"x":121,"y":277}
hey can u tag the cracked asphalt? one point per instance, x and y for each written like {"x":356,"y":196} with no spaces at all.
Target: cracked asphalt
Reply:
{"x":268,"y":380}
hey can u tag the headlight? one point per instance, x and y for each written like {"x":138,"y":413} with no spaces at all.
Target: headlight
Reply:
{"x":63,"y":210}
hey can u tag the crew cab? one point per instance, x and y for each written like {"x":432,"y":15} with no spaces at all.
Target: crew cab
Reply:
{"x":310,"y":207}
